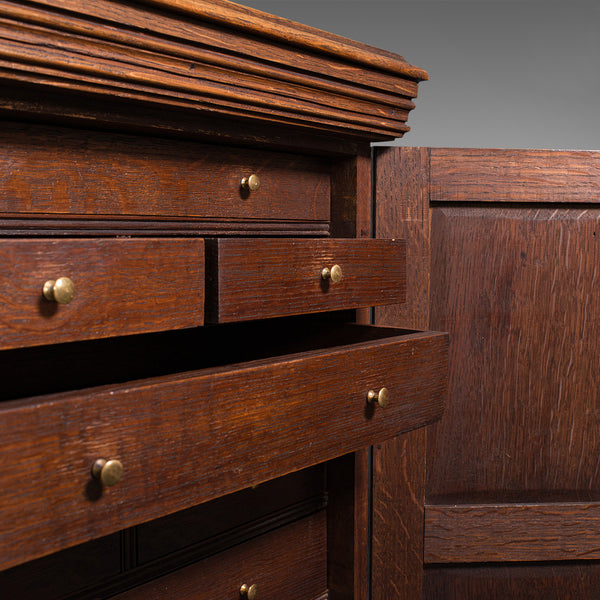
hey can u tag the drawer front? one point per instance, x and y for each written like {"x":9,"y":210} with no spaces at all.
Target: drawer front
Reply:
{"x":121,"y":286}
{"x":187,"y":438}
{"x":256,"y":279}
{"x":117,"y":176}
{"x":289,"y":563}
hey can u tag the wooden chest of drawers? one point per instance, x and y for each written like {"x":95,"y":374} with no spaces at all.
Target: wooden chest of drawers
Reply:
{"x":185,"y":389}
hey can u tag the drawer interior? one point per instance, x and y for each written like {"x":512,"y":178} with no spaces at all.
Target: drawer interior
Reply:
{"x":73,"y":366}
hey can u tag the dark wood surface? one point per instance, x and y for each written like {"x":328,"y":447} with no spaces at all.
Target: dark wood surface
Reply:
{"x":351,"y":197}
{"x":545,"y":581}
{"x":106,"y":567}
{"x":515,"y":288}
{"x":64,"y":574}
{"x":511,"y":532}
{"x":257,"y":279}
{"x":206,"y":58}
{"x":398,"y":494}
{"x":288,"y":562}
{"x":139,"y":180}
{"x":215,"y":444}
{"x":209,"y":528}
{"x":531,"y":176}
{"x":402,"y":211}
{"x":105,"y":105}
{"x":348,"y":536}
{"x":510,"y":237}
{"x":111,"y":298}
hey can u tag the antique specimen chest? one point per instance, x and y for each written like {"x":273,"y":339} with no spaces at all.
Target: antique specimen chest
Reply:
{"x":188,"y":393}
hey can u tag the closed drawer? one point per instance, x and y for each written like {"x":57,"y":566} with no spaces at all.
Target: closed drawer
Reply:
{"x":121,"y":286}
{"x":101,"y":175}
{"x":186,"y":438}
{"x":289,"y":563}
{"x":256,"y":279}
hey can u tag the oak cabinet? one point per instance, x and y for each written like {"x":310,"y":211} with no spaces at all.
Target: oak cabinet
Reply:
{"x":190,"y":383}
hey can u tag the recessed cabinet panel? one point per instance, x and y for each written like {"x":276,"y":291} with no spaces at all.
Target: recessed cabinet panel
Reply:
{"x":59,"y":290}
{"x":257,"y":279}
{"x":182,"y":439}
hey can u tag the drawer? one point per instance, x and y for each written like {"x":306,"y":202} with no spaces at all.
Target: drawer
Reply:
{"x":289,"y":563}
{"x":121,"y":286}
{"x":256,"y":279}
{"x":185,"y":438}
{"x":101,"y":175}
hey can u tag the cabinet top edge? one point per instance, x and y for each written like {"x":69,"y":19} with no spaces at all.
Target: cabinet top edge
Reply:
{"x":260,"y":23}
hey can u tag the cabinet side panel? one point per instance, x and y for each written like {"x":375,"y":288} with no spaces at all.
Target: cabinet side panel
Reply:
{"x":402,"y":211}
{"x":514,"y":272}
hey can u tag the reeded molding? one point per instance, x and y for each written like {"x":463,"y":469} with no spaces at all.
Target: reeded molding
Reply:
{"x":202,"y":59}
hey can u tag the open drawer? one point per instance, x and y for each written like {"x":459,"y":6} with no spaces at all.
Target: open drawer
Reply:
{"x":257,"y":278}
{"x":258,"y":401}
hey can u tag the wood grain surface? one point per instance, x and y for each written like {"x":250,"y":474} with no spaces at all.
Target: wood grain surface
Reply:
{"x":351,"y":197}
{"x":402,"y":211}
{"x":111,"y":176}
{"x":348,"y":516}
{"x":512,"y":465}
{"x":209,"y":58}
{"x":187,"y":438}
{"x":122,"y":286}
{"x":297,"y":570}
{"x":260,"y":278}
{"x":515,"y":289}
{"x":97,"y":568}
{"x":398,"y":496}
{"x":481,"y":175}
{"x":533,"y":581}
{"x":512,"y":532}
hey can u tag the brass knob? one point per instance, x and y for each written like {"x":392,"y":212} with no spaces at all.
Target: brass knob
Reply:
{"x":251,"y":183}
{"x":62,"y":290}
{"x":250,"y":591}
{"x":334,"y":274}
{"x":109,"y":472}
{"x":381,"y":397}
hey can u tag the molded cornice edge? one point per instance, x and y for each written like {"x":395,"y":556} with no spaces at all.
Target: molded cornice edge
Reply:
{"x":203,"y":60}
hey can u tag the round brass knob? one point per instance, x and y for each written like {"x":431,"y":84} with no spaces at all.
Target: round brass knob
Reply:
{"x":250,"y":591}
{"x":381,"y":397}
{"x":62,"y":290}
{"x":334,"y":274}
{"x":109,"y":472}
{"x":251,"y":183}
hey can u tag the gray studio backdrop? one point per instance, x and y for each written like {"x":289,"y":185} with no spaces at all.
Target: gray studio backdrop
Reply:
{"x":503,"y":73}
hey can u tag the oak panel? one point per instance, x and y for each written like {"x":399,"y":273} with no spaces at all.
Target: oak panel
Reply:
{"x":402,"y":211}
{"x":511,"y":532}
{"x":555,"y":581}
{"x":515,"y":289}
{"x":398,"y":495}
{"x":482,"y":175}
